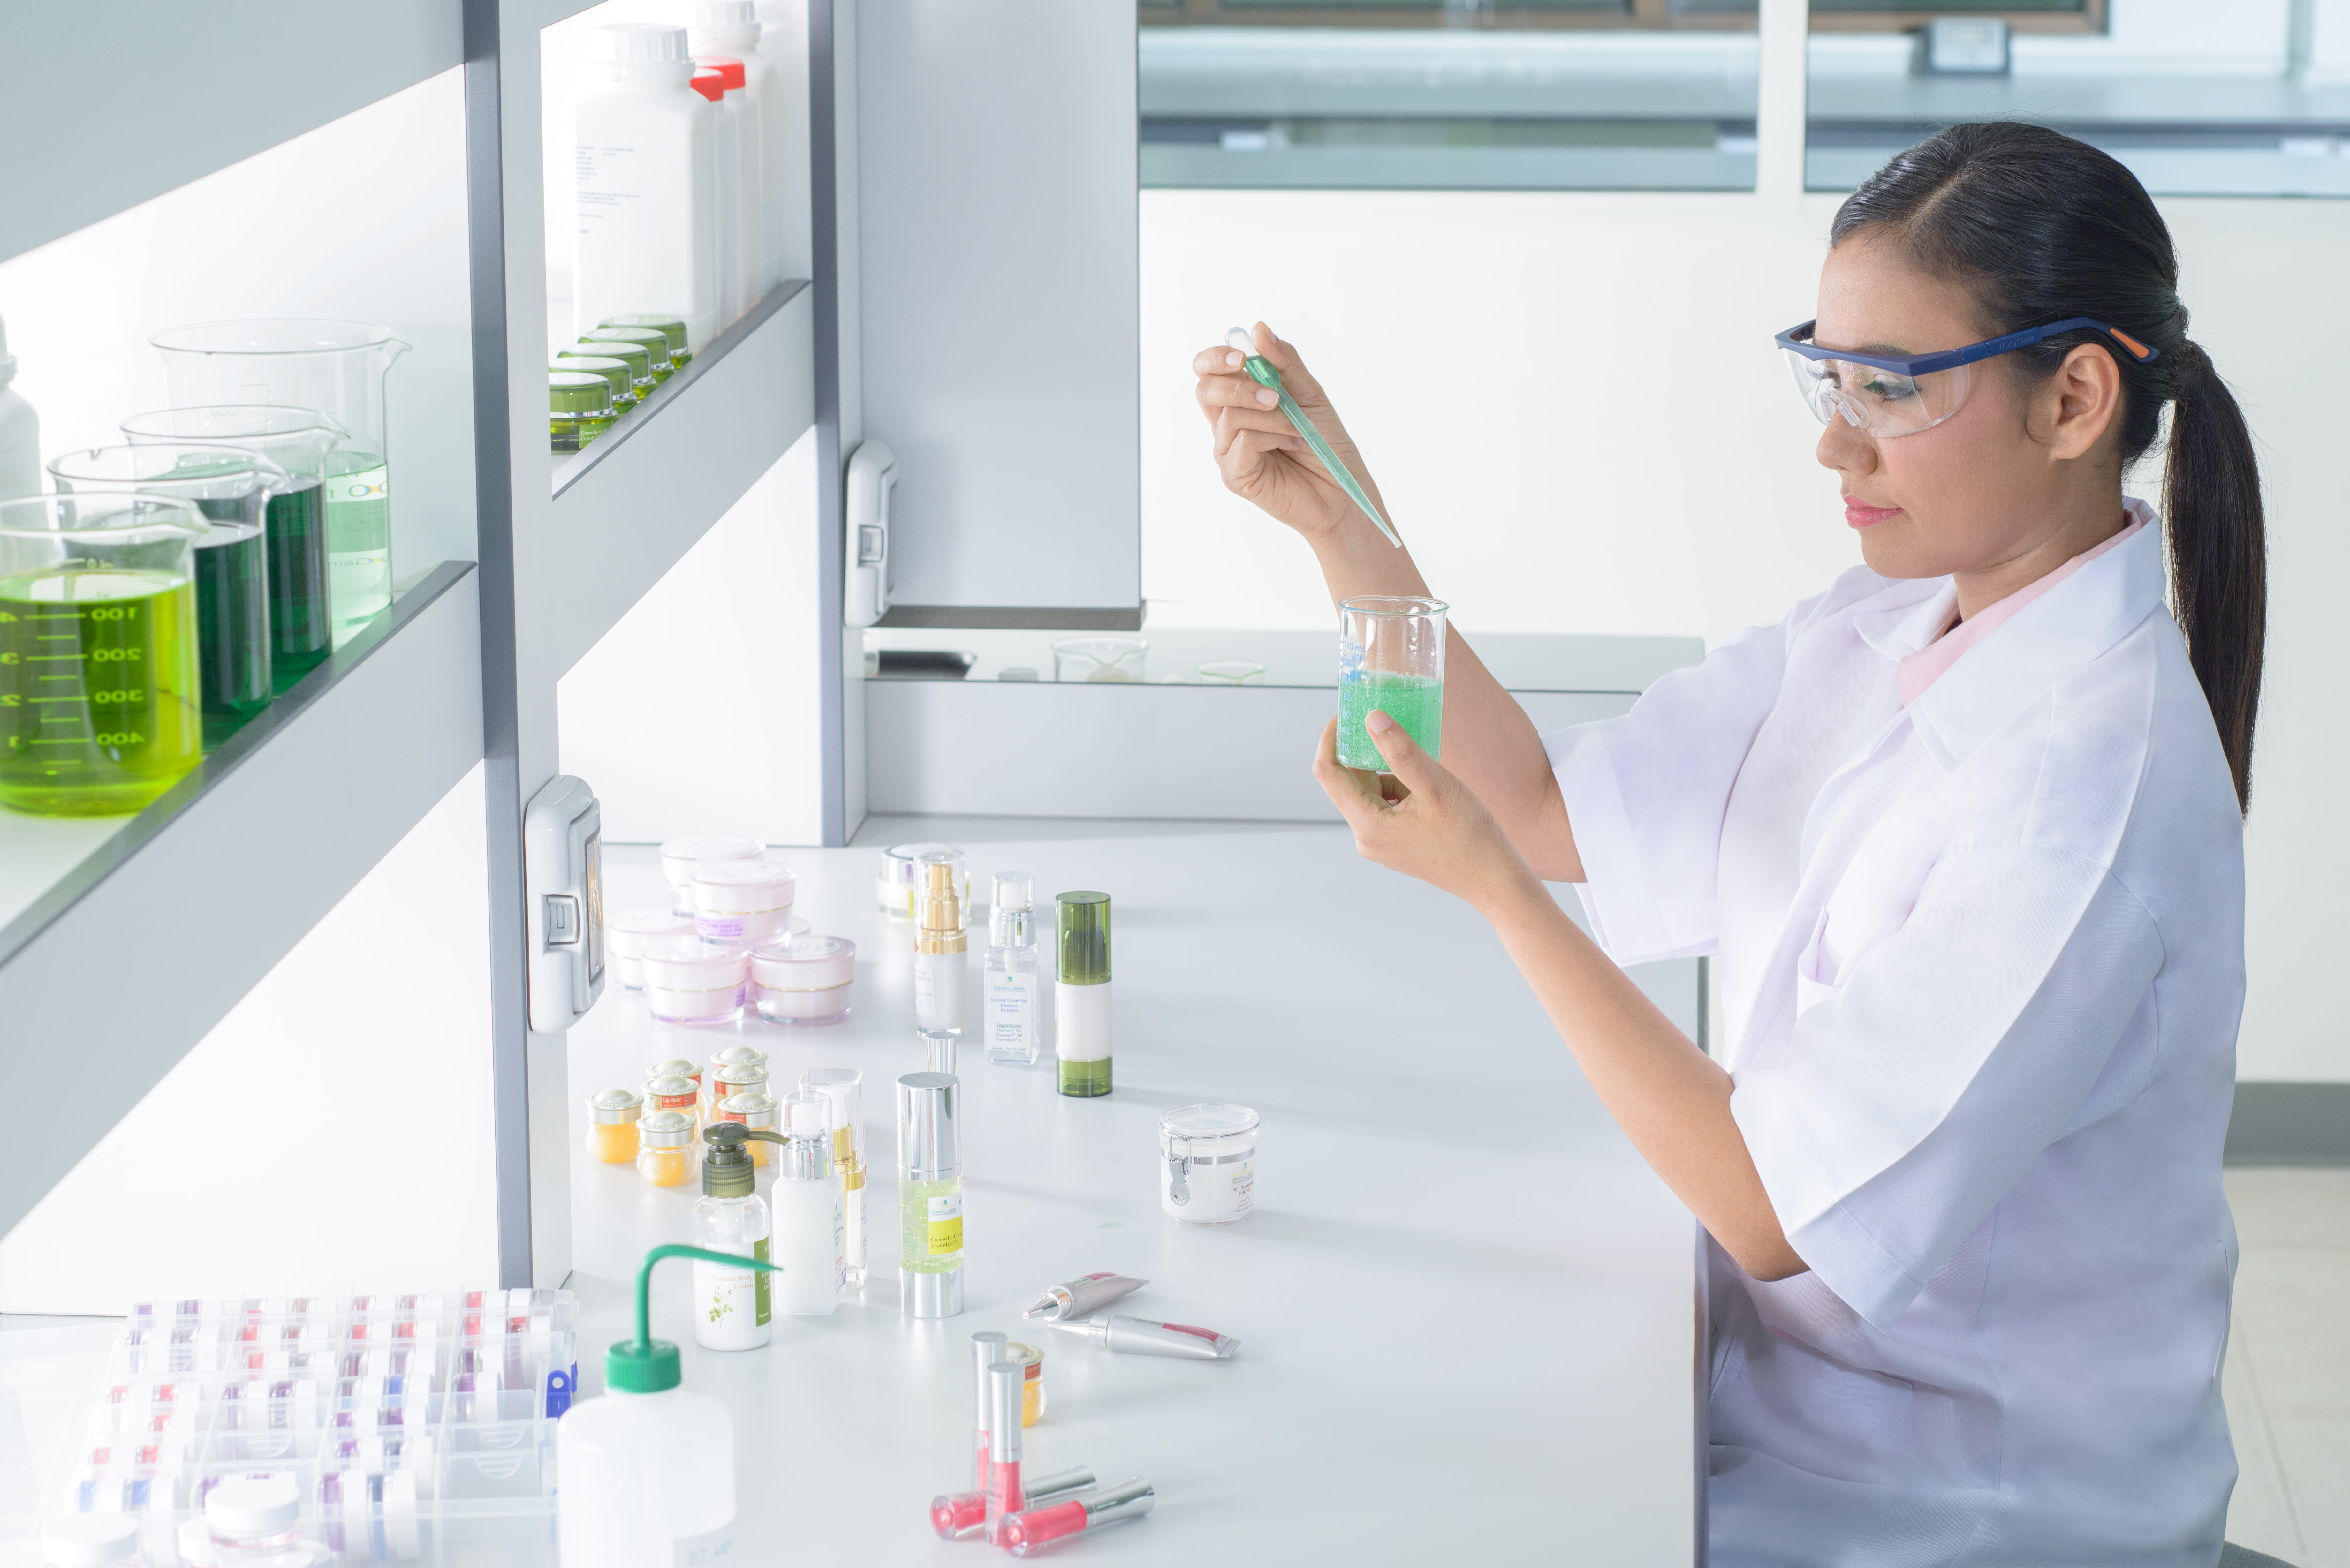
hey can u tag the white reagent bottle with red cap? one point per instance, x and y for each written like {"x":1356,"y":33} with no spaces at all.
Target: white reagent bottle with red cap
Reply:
{"x":646,"y":189}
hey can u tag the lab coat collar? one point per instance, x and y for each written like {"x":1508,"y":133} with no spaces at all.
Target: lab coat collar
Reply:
{"x":1908,"y":613}
{"x":2064,"y":628}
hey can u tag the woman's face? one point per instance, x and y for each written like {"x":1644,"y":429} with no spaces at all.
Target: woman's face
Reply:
{"x":1988,"y":485}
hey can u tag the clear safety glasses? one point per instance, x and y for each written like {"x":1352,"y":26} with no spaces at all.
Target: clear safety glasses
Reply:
{"x":1889,"y":395}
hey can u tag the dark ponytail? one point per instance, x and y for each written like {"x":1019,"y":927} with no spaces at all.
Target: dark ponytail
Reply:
{"x":2040,"y":227}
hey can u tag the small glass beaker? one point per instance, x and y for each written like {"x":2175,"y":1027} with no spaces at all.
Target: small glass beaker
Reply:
{"x":301,"y":606}
{"x":337,"y":368}
{"x":578,"y":409}
{"x":615,"y":371}
{"x":1390,"y":660}
{"x":1230,"y":672}
{"x":1107,"y":658}
{"x":231,"y":487}
{"x":100,"y":709}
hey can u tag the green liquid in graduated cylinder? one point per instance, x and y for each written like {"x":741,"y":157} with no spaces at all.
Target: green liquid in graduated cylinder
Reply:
{"x":359,"y":539}
{"x":98,"y":707}
{"x":914,"y":1254}
{"x":232,"y":633}
{"x":1085,"y":1079}
{"x":1415,"y":701}
{"x":301,"y":603}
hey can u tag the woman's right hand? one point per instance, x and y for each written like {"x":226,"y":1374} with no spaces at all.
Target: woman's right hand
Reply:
{"x":1262,"y":458}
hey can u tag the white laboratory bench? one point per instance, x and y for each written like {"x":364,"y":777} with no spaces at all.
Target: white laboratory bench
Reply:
{"x":1466,"y":1307}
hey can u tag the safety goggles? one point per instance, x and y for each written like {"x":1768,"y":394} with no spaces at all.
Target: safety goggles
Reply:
{"x":1890,"y":395}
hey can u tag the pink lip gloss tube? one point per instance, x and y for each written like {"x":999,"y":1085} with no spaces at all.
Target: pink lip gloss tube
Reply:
{"x":986,"y":1350}
{"x":958,"y":1514}
{"x":1024,"y":1532}
{"x":1006,"y":1497}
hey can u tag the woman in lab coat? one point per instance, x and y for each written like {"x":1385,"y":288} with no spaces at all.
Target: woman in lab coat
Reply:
{"x":1964,"y":834}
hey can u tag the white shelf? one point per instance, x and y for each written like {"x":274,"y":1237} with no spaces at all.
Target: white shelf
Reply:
{"x":108,"y":106}
{"x":149,"y":936}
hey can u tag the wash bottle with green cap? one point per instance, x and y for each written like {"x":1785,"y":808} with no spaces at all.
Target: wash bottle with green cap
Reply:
{"x":648,"y":1469}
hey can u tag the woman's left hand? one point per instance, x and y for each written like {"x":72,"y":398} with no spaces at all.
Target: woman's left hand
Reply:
{"x":1422,"y":820}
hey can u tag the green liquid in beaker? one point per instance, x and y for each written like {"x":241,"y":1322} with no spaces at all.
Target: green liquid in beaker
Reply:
{"x":301,"y":612}
{"x":99,"y":693}
{"x":1415,"y":701}
{"x":232,"y":633}
{"x":359,"y":538}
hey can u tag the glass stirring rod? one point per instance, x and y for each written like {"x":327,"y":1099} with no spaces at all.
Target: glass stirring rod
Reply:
{"x":1265,"y":375}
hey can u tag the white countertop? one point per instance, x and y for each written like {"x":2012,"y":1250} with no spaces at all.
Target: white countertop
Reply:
{"x":1466,"y":1304}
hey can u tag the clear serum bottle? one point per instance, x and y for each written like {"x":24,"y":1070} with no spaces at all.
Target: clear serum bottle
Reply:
{"x":929,"y":1195}
{"x":941,"y":949}
{"x":732,"y":1307}
{"x":1081,"y":994}
{"x":1008,"y":1011}
{"x":808,"y":1209}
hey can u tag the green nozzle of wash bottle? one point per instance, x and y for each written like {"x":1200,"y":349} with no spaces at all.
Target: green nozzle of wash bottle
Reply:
{"x":648,"y":1366}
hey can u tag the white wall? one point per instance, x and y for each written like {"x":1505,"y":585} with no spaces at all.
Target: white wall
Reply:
{"x":698,"y":713}
{"x":363,"y":218}
{"x":1573,"y":406}
{"x":332,"y":1133}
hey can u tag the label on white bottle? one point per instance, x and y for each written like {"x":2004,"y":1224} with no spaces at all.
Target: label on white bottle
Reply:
{"x":710,"y":1549}
{"x":1010,"y":1010}
{"x":937,"y":990}
{"x":729,"y":1302}
{"x":1081,"y":1021}
{"x":946,"y":1224}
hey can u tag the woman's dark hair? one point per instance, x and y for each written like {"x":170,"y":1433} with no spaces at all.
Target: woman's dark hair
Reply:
{"x":2039,"y":226}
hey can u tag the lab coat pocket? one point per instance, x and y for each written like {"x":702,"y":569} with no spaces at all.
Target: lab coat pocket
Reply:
{"x":1817,"y":977}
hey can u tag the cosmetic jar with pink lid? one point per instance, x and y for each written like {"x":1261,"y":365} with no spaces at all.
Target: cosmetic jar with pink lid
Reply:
{"x":747,"y":902}
{"x":688,"y":981}
{"x":804,"y":980}
{"x":681,"y":858}
{"x":627,"y":934}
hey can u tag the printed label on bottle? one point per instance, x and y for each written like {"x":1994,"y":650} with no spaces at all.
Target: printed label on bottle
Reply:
{"x":708,"y":1549}
{"x":733,"y":1296}
{"x":946,"y":1224}
{"x":1010,"y":1010}
{"x":926,"y":987}
{"x":717,"y":928}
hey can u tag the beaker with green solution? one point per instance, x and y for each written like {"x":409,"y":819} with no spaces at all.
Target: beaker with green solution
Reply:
{"x":337,"y":368}
{"x":231,"y":487}
{"x":301,"y":607}
{"x":100,"y":707}
{"x":1390,"y":660}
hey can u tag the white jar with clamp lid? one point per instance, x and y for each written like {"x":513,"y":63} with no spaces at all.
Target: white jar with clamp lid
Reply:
{"x":1207,"y":1163}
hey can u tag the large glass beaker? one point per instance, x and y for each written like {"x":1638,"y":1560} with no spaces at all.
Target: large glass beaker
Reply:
{"x":301,"y":614}
{"x":99,"y":700}
{"x":231,"y":487}
{"x":337,"y":368}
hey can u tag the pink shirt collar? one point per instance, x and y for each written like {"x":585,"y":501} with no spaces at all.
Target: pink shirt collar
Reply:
{"x":1918,"y":670}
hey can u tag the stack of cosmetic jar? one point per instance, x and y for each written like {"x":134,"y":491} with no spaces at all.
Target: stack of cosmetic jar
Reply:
{"x":627,"y":935}
{"x":681,"y":858}
{"x":689,"y":982}
{"x":742,"y":902}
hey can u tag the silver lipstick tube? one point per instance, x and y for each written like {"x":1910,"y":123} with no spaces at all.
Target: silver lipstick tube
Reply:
{"x":1127,"y":1500}
{"x":1083,"y":1296}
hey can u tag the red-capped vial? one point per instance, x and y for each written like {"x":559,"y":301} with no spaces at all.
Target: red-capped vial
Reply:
{"x":960,"y":1514}
{"x":1005,"y":1496}
{"x":1024,"y":1532}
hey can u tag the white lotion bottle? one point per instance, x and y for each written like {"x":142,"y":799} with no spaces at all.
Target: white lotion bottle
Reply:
{"x":809,"y":1230}
{"x":732,"y":1302}
{"x":648,"y":1467}
{"x":20,"y":433}
{"x":942,"y":950}
{"x":646,"y":192}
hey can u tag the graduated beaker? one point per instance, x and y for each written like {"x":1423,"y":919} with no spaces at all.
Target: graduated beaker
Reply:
{"x":301,"y":614}
{"x":100,"y":709}
{"x":231,"y":488}
{"x":337,"y":368}
{"x":1390,"y":660}
{"x":1099,"y":658}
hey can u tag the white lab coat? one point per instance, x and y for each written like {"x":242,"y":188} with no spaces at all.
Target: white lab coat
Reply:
{"x":1981,"y":961}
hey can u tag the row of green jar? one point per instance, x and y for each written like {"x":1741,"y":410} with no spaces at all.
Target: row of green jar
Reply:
{"x":608,"y":372}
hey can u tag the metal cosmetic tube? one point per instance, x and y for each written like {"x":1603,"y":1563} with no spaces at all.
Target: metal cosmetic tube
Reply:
{"x":1006,"y":1497}
{"x":959,"y":1513}
{"x":1022,"y":1533}
{"x":1083,"y":1296}
{"x":986,"y":1349}
{"x":1140,"y":1336}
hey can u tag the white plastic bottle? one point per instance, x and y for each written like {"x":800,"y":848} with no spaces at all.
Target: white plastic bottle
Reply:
{"x":731,"y":28}
{"x":733,"y":1304}
{"x":648,"y":1467}
{"x":711,"y":83}
{"x":647,"y":190}
{"x":744,"y":197}
{"x":809,"y":1232}
{"x":20,"y":431}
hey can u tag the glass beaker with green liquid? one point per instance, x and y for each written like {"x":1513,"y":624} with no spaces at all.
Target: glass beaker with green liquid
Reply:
{"x":669,"y":326}
{"x":651,"y":340}
{"x":231,"y":487}
{"x":301,"y":611}
{"x":337,"y":369}
{"x":613,"y":369}
{"x":100,"y":709}
{"x":1390,"y":660}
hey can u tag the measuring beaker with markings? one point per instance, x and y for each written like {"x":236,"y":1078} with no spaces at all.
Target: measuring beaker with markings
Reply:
{"x":337,"y":368}
{"x":301,"y":608}
{"x":100,"y":706}
{"x":231,"y":487}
